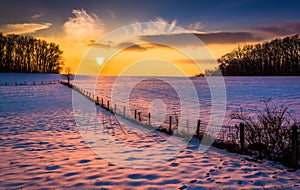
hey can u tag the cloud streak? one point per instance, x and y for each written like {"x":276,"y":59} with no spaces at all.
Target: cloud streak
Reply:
{"x":24,"y":28}
{"x":283,"y":29}
{"x":36,"y":16}
{"x":153,"y":27}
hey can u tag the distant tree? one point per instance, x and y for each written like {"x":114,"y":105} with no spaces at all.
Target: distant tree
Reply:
{"x":27,"y":54}
{"x":277,"y":57}
{"x":199,"y":75}
{"x":213,"y":72}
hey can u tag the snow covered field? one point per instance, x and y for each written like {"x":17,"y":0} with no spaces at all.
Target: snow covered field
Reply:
{"x":41,"y":147}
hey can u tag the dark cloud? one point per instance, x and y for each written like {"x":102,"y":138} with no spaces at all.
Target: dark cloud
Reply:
{"x":99,"y":45}
{"x":154,"y":45}
{"x":189,"y":39}
{"x":227,"y":37}
{"x":181,"y":39}
{"x":287,"y":28}
{"x":129,"y":46}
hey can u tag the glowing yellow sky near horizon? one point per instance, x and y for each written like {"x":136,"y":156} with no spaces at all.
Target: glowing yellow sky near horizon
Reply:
{"x":151,"y":63}
{"x":81,"y":52}
{"x":158,"y":61}
{"x":74,"y":54}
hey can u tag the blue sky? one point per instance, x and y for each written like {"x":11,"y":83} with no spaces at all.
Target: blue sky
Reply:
{"x":213,"y":15}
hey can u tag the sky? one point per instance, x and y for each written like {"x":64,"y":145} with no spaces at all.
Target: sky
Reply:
{"x":79,"y":27}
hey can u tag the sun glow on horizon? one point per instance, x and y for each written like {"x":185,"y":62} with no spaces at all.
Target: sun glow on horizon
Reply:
{"x":100,"y":60}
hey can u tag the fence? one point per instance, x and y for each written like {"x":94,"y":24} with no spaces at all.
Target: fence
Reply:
{"x":29,"y":83}
{"x":233,"y":135}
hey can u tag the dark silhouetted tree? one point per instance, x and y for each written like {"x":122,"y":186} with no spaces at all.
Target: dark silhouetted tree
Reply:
{"x":27,"y":54}
{"x":277,"y":57}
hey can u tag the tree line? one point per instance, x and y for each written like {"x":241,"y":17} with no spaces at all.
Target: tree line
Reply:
{"x":27,"y":54}
{"x":280,"y":57}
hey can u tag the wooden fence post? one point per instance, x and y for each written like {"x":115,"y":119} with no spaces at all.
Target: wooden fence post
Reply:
{"x":97,"y":101}
{"x":124,"y":109}
{"x":242,"y":136}
{"x":107,"y":105}
{"x":170,"y":124}
{"x":139,"y":114}
{"x":135,"y":114}
{"x":102,"y":102}
{"x":149,"y":117}
{"x":115,"y":108}
{"x":198,"y":129}
{"x":295,"y":146}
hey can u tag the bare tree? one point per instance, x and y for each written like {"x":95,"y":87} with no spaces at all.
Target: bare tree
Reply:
{"x":271,"y":128}
{"x":68,"y":74}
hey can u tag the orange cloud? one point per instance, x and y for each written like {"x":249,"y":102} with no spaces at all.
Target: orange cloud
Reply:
{"x":83,"y":26}
{"x":24,"y":28}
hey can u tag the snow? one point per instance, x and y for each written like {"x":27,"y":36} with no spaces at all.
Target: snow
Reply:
{"x":241,"y":92}
{"x":42,"y":147}
{"x":28,"y":77}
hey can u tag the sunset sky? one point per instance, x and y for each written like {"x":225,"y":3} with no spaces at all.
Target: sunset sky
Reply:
{"x":78,"y":25}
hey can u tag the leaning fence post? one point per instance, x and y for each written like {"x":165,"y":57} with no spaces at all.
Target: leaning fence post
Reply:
{"x":242,"y":136}
{"x":170,"y":123}
{"x":295,"y":146}
{"x":97,"y":101}
{"x":198,"y":129}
